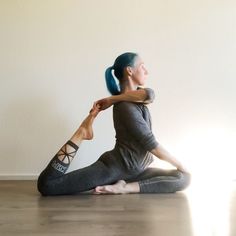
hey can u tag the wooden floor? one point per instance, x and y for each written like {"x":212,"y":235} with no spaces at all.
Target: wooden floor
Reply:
{"x":24,"y":212}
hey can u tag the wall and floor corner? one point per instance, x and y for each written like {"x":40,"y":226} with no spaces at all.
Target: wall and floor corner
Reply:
{"x":53,"y":57}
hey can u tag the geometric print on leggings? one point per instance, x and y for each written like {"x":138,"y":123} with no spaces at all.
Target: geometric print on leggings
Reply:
{"x":67,"y":154}
{"x":57,"y":165}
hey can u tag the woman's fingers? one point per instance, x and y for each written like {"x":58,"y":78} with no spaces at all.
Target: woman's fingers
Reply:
{"x":100,"y":103}
{"x":95,"y":108}
{"x":94,"y":104}
{"x":103,"y":103}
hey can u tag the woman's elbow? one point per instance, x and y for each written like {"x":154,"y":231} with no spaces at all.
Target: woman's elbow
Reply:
{"x":150,"y":95}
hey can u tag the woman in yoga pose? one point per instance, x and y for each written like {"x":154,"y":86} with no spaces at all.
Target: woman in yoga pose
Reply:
{"x":125,"y":168}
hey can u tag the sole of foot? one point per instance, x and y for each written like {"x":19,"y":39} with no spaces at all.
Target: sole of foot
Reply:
{"x":117,"y":188}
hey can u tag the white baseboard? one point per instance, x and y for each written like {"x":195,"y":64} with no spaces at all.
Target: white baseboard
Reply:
{"x":18,"y":177}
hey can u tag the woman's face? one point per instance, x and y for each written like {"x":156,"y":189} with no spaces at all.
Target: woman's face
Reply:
{"x":140,"y":72}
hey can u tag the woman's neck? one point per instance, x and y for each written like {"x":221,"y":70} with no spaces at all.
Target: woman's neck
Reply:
{"x":128,"y":86}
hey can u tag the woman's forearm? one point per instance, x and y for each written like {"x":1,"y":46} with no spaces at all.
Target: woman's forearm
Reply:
{"x":164,"y":155}
{"x":145,"y":96}
{"x":130,"y":96}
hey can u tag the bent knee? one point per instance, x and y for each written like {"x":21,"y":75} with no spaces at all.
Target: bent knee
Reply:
{"x":44,"y":187}
{"x":185,"y":180}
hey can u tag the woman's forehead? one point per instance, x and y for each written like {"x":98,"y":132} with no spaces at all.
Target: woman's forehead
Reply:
{"x":139,"y":61}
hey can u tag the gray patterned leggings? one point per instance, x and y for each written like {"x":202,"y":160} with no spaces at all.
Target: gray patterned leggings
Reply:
{"x":54,"y":181}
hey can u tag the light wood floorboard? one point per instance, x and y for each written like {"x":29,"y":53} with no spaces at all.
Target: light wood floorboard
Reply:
{"x":24,"y":212}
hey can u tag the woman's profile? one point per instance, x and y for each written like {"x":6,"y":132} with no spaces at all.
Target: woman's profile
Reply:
{"x":125,"y":168}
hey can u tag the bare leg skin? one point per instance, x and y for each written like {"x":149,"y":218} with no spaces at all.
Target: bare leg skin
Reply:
{"x":84,"y":132}
{"x":120,"y":187}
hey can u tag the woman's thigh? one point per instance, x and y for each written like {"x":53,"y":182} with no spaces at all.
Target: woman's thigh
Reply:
{"x":156,"y":180}
{"x":156,"y":172}
{"x":84,"y":179}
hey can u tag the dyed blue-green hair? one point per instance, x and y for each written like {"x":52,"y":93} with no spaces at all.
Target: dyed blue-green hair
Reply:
{"x":122,"y":61}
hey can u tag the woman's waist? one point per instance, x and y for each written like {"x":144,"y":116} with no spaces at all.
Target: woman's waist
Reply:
{"x":133,"y":157}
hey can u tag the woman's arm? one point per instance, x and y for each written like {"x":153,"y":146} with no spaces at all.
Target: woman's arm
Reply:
{"x":164,"y":155}
{"x":141,"y":95}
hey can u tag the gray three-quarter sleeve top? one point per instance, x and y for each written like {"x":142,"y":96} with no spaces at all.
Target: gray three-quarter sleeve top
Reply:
{"x":134,"y":137}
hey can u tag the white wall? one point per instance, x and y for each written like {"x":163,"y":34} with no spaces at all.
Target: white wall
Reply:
{"x":53,"y":56}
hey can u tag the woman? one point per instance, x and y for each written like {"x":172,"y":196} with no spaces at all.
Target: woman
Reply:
{"x":125,"y":169}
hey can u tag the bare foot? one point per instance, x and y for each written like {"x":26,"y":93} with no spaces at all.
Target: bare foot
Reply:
{"x":117,"y":188}
{"x":85,"y":128}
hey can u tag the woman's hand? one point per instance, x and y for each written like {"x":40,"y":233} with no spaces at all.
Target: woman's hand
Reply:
{"x":95,"y":110}
{"x":104,"y":103}
{"x":164,"y":155}
{"x":183,"y":169}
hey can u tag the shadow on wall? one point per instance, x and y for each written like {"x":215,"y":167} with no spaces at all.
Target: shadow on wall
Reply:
{"x":31,"y":129}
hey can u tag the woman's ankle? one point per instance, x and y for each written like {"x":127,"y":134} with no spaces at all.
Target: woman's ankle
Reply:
{"x":132,"y":187}
{"x":77,"y":139}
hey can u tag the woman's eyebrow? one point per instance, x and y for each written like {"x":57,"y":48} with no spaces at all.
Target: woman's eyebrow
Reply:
{"x":142,"y":63}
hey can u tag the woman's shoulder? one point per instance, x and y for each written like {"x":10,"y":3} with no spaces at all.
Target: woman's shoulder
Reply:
{"x":127,"y":111}
{"x":124,"y":104}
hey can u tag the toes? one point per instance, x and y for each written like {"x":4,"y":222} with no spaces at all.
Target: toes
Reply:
{"x":100,"y":189}
{"x":95,"y":110}
{"x":103,"y":189}
{"x":94,"y":192}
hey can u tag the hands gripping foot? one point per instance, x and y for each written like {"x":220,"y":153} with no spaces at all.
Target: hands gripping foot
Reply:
{"x":84,"y":132}
{"x":86,"y":127}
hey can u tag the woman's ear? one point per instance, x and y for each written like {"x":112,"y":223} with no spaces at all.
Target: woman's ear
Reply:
{"x":128,"y":71}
